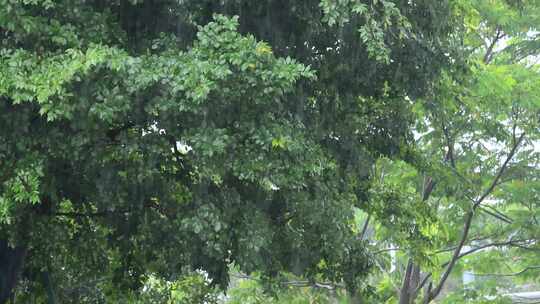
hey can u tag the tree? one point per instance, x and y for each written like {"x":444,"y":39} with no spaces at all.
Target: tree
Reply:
{"x":469,"y":199}
{"x":136,"y":144}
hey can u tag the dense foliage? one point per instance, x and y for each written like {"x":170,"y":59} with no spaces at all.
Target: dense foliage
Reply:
{"x":369,"y":151}
{"x":471,"y":206}
{"x":152,"y":138}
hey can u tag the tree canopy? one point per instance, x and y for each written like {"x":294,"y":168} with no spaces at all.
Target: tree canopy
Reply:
{"x":151,"y":144}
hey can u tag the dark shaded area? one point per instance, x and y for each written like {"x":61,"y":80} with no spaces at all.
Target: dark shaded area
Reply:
{"x":11,"y":263}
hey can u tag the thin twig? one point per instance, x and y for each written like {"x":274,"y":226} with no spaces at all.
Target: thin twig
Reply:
{"x":507,"y":274}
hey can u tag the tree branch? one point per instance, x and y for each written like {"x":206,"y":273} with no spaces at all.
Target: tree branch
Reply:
{"x":450,"y":145}
{"x":489,"y":52}
{"x":387,"y":249}
{"x":496,"y":214}
{"x":507,"y":274}
{"x":468,"y":220}
{"x":364,"y":229}
{"x":512,"y":243}
{"x":424,"y":281}
{"x":501,"y":171}
{"x":325,"y":285}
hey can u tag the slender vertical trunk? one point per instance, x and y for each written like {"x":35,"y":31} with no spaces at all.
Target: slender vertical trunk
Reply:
{"x":11,"y":263}
{"x":411,"y":280}
{"x":415,"y":281}
{"x":49,"y":287}
{"x":404,"y":294}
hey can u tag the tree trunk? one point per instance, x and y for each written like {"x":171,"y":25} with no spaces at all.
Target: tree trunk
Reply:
{"x":49,"y":287}
{"x":404,"y":294}
{"x":11,"y":263}
{"x":411,"y":280}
